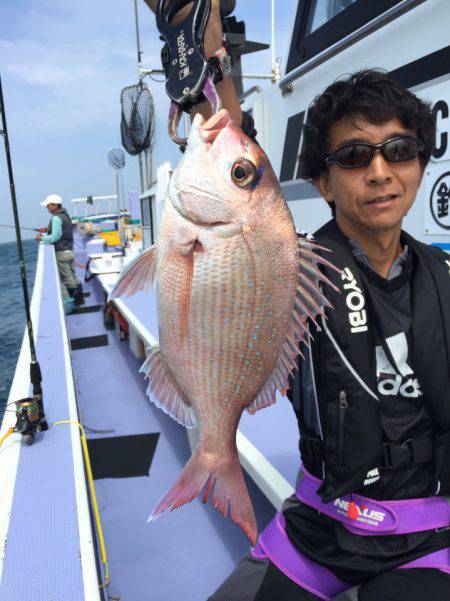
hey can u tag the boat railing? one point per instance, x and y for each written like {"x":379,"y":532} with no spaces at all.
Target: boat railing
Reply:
{"x":95,"y":202}
{"x":249,"y":92}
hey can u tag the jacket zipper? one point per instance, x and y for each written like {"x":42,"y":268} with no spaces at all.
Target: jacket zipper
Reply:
{"x":342,"y":421}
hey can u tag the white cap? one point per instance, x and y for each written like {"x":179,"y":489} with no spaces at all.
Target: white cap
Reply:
{"x":52,"y":199}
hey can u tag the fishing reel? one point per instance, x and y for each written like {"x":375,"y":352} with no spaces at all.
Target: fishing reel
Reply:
{"x":29,"y":420}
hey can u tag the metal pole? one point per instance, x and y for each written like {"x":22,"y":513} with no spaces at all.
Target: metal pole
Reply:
{"x":276,"y":62}
{"x":147,"y":180}
{"x":273,"y":36}
{"x":138,"y":40}
{"x":118,"y":203}
{"x":35,"y":370}
{"x":150,"y":175}
{"x":141,"y":173}
{"x":139,"y":57}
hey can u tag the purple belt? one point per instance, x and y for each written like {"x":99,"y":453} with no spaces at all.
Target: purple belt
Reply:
{"x":366,"y":517}
{"x":274,"y":544}
{"x":360,"y":515}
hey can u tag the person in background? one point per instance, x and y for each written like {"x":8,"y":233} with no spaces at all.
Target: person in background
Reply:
{"x":59,"y":233}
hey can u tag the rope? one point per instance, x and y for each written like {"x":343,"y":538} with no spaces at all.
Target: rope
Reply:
{"x":93,"y":496}
{"x":5,"y":436}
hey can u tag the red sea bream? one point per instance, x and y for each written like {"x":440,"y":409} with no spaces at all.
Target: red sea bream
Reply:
{"x":235,"y":289}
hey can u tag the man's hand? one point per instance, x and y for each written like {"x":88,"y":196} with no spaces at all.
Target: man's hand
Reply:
{"x":38,"y":237}
{"x":213,"y":40}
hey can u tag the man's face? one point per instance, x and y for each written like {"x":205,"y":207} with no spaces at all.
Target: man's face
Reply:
{"x":375,"y":197}
{"x":52,"y":207}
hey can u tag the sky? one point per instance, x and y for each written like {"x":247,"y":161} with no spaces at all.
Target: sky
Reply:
{"x":63,"y":65}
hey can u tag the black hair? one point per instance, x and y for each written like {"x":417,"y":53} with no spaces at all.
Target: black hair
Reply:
{"x":373,"y":95}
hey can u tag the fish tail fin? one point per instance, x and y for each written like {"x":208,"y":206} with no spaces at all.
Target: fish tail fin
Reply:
{"x":230,"y":489}
{"x":225,"y":485}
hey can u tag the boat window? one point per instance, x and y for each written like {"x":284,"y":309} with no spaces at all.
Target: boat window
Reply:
{"x":322,"y":23}
{"x":323,"y":11}
{"x":147,"y":221}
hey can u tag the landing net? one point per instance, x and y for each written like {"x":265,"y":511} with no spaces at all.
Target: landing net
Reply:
{"x":137,"y":122}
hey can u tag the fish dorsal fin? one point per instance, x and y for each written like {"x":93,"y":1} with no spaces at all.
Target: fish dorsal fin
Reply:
{"x":309,"y":303}
{"x":137,"y":275}
{"x":163,"y":392}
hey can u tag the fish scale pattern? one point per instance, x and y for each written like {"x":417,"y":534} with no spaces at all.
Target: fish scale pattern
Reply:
{"x":237,"y":319}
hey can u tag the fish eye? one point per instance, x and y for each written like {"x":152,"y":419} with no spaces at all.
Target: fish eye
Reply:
{"x":243,"y":172}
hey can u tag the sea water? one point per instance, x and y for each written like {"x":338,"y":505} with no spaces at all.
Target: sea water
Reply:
{"x":12,"y":309}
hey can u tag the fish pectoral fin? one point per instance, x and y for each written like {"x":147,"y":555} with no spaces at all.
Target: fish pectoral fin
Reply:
{"x":184,"y":239}
{"x":163,"y":391}
{"x":137,"y":275}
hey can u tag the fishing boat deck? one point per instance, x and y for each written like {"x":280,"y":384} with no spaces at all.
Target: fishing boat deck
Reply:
{"x":46,"y":542}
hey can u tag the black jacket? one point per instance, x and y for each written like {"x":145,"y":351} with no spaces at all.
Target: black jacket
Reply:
{"x":343,"y":360}
{"x":66,"y":240}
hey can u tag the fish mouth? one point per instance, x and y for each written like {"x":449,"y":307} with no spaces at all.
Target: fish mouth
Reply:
{"x":206,"y":132}
{"x":210,"y":129}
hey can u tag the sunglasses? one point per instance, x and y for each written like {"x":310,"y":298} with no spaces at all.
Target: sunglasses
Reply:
{"x":396,"y":150}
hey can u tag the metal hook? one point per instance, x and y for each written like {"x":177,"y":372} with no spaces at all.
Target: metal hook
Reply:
{"x":175,"y":111}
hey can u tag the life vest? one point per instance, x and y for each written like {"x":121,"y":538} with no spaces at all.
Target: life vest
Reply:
{"x":344,"y":360}
{"x":66,"y":240}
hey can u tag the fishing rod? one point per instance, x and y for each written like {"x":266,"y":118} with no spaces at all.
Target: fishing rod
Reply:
{"x":30,"y":411}
{"x":22,"y":227}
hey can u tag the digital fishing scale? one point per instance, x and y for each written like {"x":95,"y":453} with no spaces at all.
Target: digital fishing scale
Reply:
{"x":190,"y":75}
